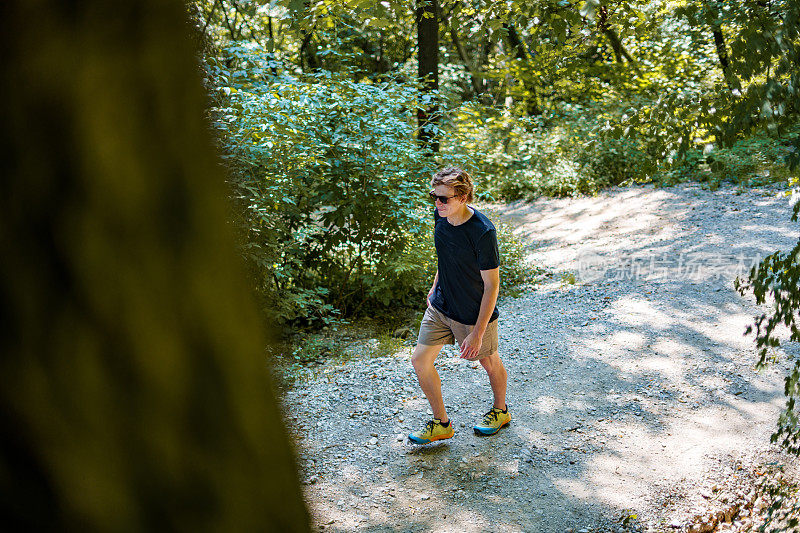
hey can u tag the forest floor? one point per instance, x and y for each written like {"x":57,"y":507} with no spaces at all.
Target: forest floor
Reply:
{"x":635,"y":402}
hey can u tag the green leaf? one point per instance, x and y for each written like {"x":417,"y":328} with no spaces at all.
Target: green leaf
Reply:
{"x":589,"y":8}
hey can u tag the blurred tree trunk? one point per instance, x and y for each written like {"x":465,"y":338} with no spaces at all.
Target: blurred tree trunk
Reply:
{"x":134,"y":390}
{"x":427,"y":16}
{"x":308,"y":48}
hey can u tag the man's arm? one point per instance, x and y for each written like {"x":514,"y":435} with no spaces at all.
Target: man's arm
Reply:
{"x":491,"y":289}
{"x":433,"y":288}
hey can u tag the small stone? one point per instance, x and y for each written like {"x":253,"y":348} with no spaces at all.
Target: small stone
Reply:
{"x":373,"y":441}
{"x":425,"y":497}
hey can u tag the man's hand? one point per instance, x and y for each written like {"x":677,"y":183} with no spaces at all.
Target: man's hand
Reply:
{"x":471,"y":346}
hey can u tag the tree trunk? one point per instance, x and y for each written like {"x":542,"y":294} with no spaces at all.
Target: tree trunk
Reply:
{"x":271,"y":48}
{"x":428,"y":56}
{"x":134,"y":391}
{"x":719,"y":44}
{"x":308,"y":51}
{"x":521,"y":53}
{"x":477,"y":86}
{"x":613,"y":38}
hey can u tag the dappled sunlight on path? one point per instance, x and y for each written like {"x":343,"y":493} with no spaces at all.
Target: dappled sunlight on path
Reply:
{"x":630,"y":394}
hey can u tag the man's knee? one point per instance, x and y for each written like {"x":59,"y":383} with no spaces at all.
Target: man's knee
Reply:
{"x":492,"y":363}
{"x":424,"y":356}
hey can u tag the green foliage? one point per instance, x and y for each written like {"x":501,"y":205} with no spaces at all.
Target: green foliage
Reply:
{"x":776,"y":280}
{"x":327,"y":185}
{"x":316,"y":348}
{"x":753,"y":161}
{"x":759,"y":90}
{"x":561,"y":153}
{"x":608,"y":161}
{"x":544,"y":98}
{"x":518,"y":155}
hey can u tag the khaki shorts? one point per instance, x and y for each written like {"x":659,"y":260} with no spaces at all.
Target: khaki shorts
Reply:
{"x":437,"y":329}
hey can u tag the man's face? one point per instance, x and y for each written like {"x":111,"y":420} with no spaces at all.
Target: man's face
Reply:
{"x":453,"y":204}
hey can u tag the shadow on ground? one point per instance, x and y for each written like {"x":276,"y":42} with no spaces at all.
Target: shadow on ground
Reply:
{"x":630,"y":393}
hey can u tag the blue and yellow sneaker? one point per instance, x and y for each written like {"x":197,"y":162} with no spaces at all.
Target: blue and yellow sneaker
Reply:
{"x":493,"y":421}
{"x":434,"y":430}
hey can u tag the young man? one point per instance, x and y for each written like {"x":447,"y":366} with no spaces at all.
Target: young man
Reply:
{"x":461,"y":303}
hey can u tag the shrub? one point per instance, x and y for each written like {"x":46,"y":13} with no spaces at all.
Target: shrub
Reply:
{"x":608,"y":161}
{"x":563,"y":152}
{"x":327,"y":183}
{"x":753,"y":161}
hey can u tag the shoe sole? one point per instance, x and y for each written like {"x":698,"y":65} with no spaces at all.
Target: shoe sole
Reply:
{"x":428,"y":441}
{"x":481,"y":433}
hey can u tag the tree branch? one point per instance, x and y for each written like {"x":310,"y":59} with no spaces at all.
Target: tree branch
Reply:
{"x":228,"y":22}
{"x":476,"y":84}
{"x":211,"y":14}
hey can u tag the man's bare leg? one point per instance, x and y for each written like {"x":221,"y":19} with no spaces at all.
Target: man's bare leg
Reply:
{"x":428,"y":377}
{"x":498,"y":378}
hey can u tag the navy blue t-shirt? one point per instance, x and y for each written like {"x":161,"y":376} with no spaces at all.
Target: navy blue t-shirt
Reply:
{"x":463,"y":251}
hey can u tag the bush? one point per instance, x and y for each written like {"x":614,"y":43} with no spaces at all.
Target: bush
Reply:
{"x":753,"y":161}
{"x":607,"y":161}
{"x":327,"y":182}
{"x":563,"y":152}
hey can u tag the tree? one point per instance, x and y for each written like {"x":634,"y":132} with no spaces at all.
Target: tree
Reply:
{"x":474,"y":77}
{"x":428,"y":57}
{"x":134,"y":393}
{"x":521,"y":53}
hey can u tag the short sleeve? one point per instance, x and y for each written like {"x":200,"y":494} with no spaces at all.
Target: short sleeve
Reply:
{"x":488,"y":254}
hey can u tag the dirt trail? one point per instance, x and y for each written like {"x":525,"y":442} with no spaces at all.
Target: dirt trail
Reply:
{"x":632,"y":389}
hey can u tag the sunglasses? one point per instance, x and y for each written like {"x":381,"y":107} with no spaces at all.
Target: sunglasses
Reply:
{"x":442,"y":199}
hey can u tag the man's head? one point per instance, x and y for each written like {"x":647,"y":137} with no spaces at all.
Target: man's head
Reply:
{"x":455,"y":179}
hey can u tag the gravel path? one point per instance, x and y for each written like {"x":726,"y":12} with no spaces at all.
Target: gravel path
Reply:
{"x":632,"y":389}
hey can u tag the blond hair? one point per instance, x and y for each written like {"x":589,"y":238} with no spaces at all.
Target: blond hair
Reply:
{"x":457,"y":179}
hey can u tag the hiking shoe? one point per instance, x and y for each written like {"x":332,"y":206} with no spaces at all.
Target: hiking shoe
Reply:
{"x":493,"y":421}
{"x":434,"y":430}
